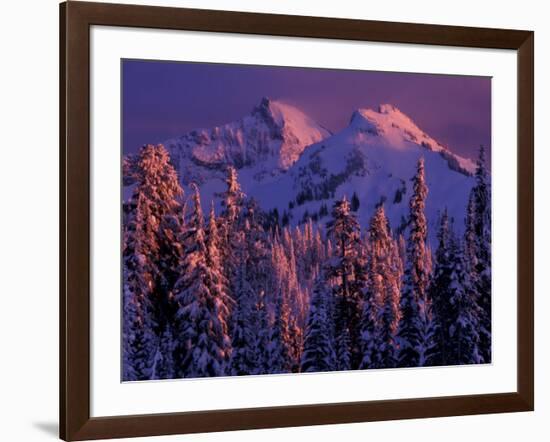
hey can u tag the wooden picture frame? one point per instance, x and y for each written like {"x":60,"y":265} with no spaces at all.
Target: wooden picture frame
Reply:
{"x":75,"y":21}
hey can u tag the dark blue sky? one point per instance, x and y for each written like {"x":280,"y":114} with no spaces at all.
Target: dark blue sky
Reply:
{"x":166,"y":99}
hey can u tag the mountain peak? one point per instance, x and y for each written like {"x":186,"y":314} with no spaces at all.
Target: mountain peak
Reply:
{"x":388,"y":126}
{"x":263,"y":107}
{"x":280,"y":113}
{"x":273,"y":111}
{"x":269,"y":139}
{"x":388,"y":109}
{"x":386,"y":119}
{"x":361,"y":121}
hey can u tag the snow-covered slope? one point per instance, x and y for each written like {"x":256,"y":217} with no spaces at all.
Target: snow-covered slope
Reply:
{"x":268,"y":141}
{"x":287,"y":161}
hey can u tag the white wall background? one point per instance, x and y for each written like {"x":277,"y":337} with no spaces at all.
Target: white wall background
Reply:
{"x":29,"y":217}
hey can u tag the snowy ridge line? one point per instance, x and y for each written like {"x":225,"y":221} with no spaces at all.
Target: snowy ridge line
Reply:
{"x":296,"y":169}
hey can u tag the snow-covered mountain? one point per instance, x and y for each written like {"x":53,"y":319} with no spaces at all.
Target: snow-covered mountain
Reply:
{"x":268,"y":141}
{"x":375,"y":157}
{"x":287,"y":161}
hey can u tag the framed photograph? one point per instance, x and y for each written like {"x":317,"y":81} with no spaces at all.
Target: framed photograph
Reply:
{"x":272,"y":221}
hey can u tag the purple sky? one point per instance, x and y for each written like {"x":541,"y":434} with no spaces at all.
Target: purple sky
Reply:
{"x":163,"y":99}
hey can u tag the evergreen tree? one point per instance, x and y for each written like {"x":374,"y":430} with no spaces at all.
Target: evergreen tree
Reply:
{"x":416,"y":324}
{"x":249,"y":290}
{"x":139,"y":343}
{"x":470,"y":246}
{"x":257,"y":255}
{"x":159,"y":182}
{"x":230,"y":226}
{"x":319,"y":251}
{"x":296,"y":339}
{"x":151,"y":218}
{"x":478,"y":245}
{"x":170,"y":255}
{"x":213,"y":260}
{"x":295,"y":298}
{"x":440,"y":293}
{"x":204,"y":346}
{"x":343,"y":344}
{"x":233,"y":198}
{"x":371,"y":338}
{"x":384,"y":261}
{"x":263,"y":334}
{"x":285,"y":338}
{"x":164,"y":365}
{"x":426,"y":349}
{"x":253,"y":272}
{"x":344,"y":230}
{"x":167,"y":194}
{"x":139,"y":340}
{"x":279,"y":350}
{"x":318,"y":354}
{"x":402,"y":248}
{"x":464,"y":329}
{"x":244,"y":360}
{"x":381,"y":313}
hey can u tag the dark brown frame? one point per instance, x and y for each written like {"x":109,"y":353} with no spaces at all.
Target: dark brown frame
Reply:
{"x":75,"y":21}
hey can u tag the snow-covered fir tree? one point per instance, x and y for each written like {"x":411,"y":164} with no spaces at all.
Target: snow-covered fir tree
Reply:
{"x":164,"y":367}
{"x":464,"y":328}
{"x":204,"y":346}
{"x":415,"y":334}
{"x":478,"y":248}
{"x":440,"y":292}
{"x":384,"y":260}
{"x":139,"y":340}
{"x":294,"y":295}
{"x":343,"y":228}
{"x":244,"y":359}
{"x":280,"y":357}
{"x":233,"y":197}
{"x":427,"y":346}
{"x":257,"y":254}
{"x":230,"y":226}
{"x":251,"y":284}
{"x":159,"y":182}
{"x":371,"y":337}
{"x":285,"y":340}
{"x":149,"y":257}
{"x":381,"y":311}
{"x":456,"y":312}
{"x":213,"y":260}
{"x":319,"y":354}
{"x":167,"y":200}
{"x":402,"y":248}
{"x":264,"y":314}
{"x":245,"y":328}
{"x":470,"y":246}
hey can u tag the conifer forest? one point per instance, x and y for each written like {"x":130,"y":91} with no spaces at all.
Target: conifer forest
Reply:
{"x":215,"y":284}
